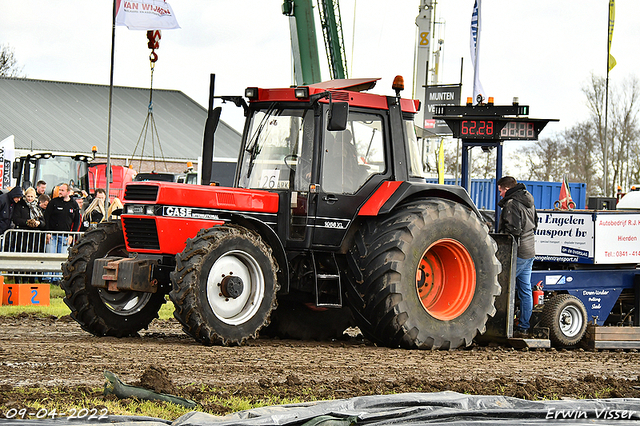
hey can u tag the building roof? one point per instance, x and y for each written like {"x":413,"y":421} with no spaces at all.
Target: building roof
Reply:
{"x":72,"y":117}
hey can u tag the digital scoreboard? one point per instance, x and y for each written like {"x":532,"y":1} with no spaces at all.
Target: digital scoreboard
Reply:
{"x":491,"y":123}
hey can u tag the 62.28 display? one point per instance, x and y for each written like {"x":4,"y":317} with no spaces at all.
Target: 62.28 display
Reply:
{"x":477,"y":129}
{"x":486,"y":129}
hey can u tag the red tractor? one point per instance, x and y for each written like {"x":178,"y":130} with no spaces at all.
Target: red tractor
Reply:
{"x":329,"y":218}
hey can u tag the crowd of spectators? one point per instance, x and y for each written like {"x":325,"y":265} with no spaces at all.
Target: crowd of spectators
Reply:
{"x":69,"y":212}
{"x":56,"y":220}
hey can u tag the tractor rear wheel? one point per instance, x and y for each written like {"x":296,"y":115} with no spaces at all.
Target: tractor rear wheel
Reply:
{"x":425,"y":276}
{"x":566,"y":317}
{"x":99,"y":311}
{"x":224,"y":285}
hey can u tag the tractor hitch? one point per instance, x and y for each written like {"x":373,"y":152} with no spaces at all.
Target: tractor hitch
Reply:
{"x":124,"y":274}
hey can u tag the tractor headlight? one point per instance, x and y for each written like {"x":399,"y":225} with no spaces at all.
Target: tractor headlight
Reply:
{"x":301,"y":92}
{"x":251,"y":93}
{"x":137,"y":209}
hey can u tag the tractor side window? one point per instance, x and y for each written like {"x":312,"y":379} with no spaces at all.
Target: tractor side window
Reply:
{"x":414,"y":152}
{"x":351,"y":156}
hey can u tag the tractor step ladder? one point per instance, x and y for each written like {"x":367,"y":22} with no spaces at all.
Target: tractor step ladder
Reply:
{"x":328,"y":288}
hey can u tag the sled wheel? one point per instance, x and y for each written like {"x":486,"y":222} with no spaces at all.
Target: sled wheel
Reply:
{"x":425,"y":276}
{"x":566,"y":317}
{"x":224,"y":285}
{"x":99,"y":311}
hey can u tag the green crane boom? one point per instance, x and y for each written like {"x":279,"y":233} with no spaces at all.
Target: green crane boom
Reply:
{"x":304,"y":42}
{"x":333,"y":40}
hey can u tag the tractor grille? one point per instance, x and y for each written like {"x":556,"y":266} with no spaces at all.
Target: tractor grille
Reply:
{"x":141,"y":233}
{"x":141,"y":193}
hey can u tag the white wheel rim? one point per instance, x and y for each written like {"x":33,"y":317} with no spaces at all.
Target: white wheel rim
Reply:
{"x":570,"y":321}
{"x":123,"y":303}
{"x":236,"y":311}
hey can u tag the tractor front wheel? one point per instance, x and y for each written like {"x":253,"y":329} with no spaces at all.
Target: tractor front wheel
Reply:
{"x":224,"y":285}
{"x":99,"y":311}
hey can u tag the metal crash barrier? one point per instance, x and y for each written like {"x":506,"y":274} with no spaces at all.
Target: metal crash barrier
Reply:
{"x":23,"y":253}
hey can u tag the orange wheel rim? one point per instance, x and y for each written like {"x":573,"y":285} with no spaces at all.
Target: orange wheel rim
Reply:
{"x":446,"y":279}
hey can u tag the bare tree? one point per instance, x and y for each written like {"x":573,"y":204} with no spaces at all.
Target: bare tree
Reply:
{"x":578,"y":152}
{"x":483,"y":164}
{"x":545,"y":160}
{"x":582,"y":150}
{"x":8,"y":63}
{"x":625,"y":126}
{"x":621,"y":130}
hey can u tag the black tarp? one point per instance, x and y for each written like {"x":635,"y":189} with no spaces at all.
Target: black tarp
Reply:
{"x":449,"y":408}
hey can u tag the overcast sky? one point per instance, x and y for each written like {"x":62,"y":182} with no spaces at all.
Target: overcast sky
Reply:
{"x":542,"y":51}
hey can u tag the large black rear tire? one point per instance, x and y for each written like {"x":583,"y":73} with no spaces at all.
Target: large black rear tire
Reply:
{"x":97,"y":310}
{"x":224,"y":285}
{"x":424,"y":276}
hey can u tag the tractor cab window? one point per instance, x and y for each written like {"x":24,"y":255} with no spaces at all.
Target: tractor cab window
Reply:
{"x":59,"y":169}
{"x":414,"y":151}
{"x":351,"y":156}
{"x":278,"y":151}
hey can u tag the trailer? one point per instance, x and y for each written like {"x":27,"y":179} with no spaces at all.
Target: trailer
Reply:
{"x":586,"y":272}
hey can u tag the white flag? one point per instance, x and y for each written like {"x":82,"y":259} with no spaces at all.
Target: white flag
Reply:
{"x":475,"y":50}
{"x":145,"y":15}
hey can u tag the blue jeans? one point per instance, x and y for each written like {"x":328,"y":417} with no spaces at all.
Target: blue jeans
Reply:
{"x":523,"y":289}
{"x":59,"y":243}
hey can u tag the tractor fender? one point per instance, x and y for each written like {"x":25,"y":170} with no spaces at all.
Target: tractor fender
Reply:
{"x":272,"y":239}
{"x":390,"y":194}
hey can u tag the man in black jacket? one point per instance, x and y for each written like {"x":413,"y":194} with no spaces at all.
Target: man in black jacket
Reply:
{"x":519,"y":218}
{"x":62,"y":214}
{"x":7,"y":203}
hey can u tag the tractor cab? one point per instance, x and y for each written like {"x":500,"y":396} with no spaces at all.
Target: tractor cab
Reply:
{"x":325,"y":157}
{"x":55,"y":169}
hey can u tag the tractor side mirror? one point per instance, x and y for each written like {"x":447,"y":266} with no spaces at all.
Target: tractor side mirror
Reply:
{"x":16,"y":170}
{"x":338,"y":115}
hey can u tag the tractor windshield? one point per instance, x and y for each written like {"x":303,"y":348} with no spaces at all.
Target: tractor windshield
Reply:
{"x":60,"y":169}
{"x":278,"y":152}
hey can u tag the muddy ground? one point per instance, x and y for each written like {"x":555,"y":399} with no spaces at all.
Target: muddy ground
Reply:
{"x":55,"y":352}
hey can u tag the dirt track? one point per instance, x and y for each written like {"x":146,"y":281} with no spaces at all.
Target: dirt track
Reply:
{"x":56,"y":352}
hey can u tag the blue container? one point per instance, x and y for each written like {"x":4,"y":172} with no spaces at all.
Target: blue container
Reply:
{"x":545,"y":194}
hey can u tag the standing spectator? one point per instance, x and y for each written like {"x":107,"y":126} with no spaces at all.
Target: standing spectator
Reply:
{"x":7,"y":203}
{"x":62,"y":214}
{"x":519,"y":218}
{"x":41,"y":188}
{"x":27,"y":215}
{"x":27,"y":208}
{"x":101,"y":194}
{"x":96,"y":211}
{"x":43,"y":201}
